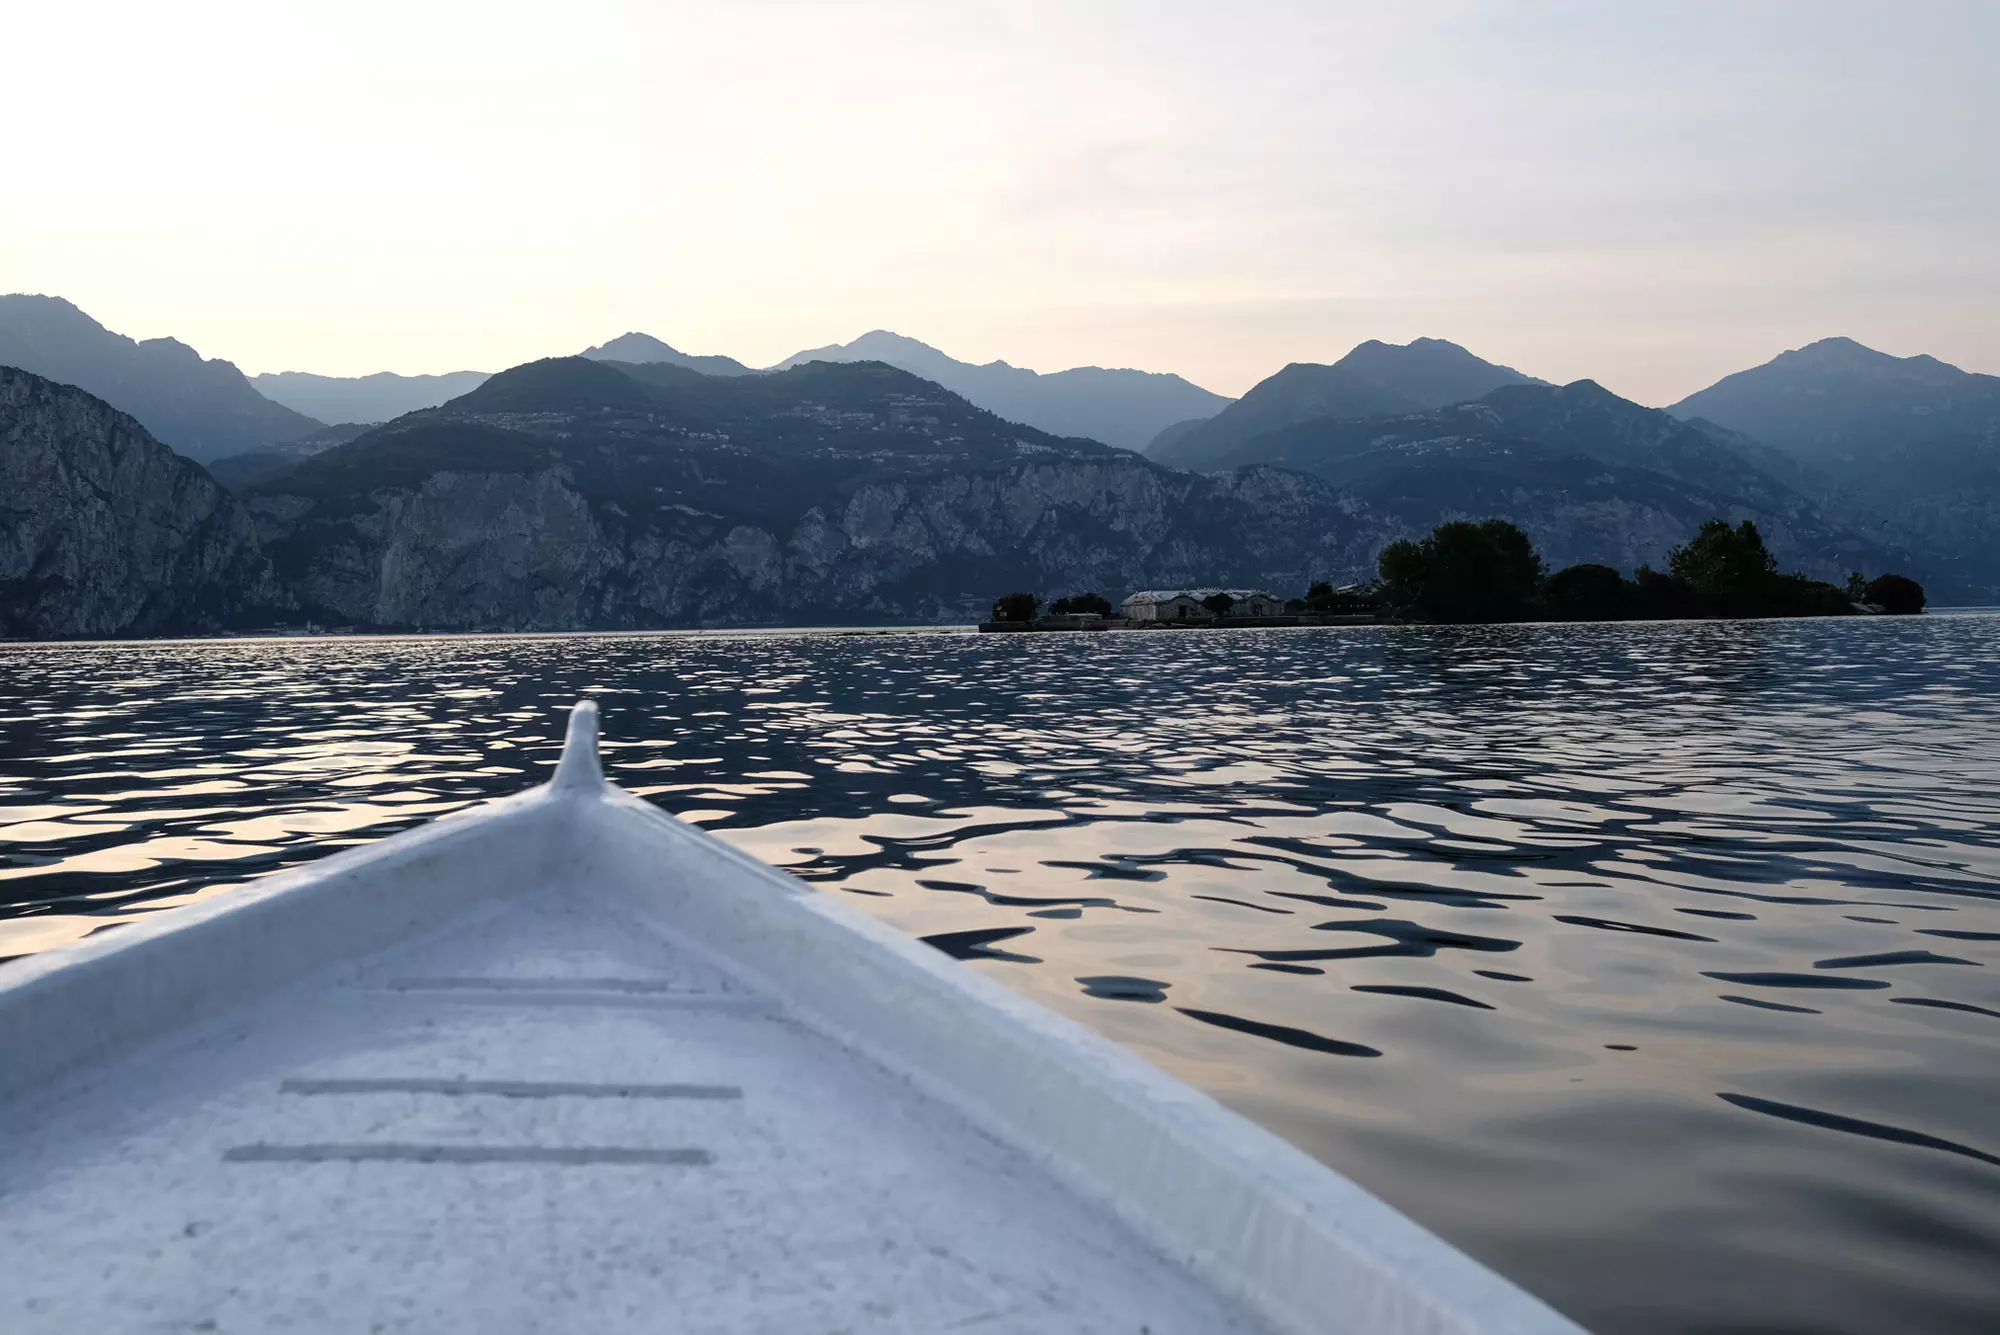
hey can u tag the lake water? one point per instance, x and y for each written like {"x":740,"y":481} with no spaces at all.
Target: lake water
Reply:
{"x":1656,"y":965}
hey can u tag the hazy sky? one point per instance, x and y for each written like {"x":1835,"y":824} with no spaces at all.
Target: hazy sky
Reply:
{"x":1650,"y":194}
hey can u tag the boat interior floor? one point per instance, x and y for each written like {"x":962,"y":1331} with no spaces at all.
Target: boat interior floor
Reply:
{"x":543,"y":1117}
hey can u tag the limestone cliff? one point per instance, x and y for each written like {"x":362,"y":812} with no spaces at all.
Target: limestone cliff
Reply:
{"x":576,"y":495}
{"x":105,"y":531}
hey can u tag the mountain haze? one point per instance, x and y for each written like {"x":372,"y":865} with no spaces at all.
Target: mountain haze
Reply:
{"x":365,"y":398}
{"x":1120,"y":407}
{"x":236,"y":471}
{"x":1374,"y":379}
{"x":203,"y":408}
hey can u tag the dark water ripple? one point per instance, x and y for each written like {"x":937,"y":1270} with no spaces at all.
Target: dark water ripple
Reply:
{"x":1655,"y":965}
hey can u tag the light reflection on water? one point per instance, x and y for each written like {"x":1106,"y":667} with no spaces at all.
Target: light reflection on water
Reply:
{"x":1654,"y":964}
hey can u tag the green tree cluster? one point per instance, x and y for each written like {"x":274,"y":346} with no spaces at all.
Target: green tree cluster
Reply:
{"x":1466,"y":572}
{"x":1898,"y":595}
{"x":1463,"y":572}
{"x":1081,"y":603}
{"x":1015,"y":607}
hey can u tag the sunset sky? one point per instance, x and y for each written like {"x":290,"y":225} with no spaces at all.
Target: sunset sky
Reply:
{"x":1649,"y":194}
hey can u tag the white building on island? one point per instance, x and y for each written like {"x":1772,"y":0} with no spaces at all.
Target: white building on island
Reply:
{"x":1191,"y":604}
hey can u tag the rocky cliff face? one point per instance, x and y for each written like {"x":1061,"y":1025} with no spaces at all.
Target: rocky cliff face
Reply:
{"x":471,"y":550}
{"x":105,"y":531}
{"x":530,"y":550}
{"x":576,"y":494}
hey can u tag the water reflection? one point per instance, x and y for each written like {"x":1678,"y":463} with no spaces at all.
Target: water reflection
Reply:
{"x":1653,"y":964}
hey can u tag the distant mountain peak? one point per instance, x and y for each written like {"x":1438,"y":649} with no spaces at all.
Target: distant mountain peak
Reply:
{"x":1374,"y":379}
{"x":1839,"y":365}
{"x":1908,"y":438}
{"x":889,"y":338}
{"x":1836,"y":352}
{"x":203,"y":407}
{"x":553,"y":385}
{"x":1120,"y":407}
{"x":47,"y":305}
{"x":633,"y":346}
{"x":1422,"y":344}
{"x":640,"y":349}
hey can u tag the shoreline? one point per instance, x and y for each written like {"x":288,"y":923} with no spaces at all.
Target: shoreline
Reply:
{"x":965,"y":628}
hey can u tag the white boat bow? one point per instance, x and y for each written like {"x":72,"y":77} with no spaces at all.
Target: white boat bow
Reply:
{"x":564,"y":1063}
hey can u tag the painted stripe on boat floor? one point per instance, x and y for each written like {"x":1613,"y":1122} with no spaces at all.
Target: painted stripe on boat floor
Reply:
{"x":506,"y":1089}
{"x":542,"y":985}
{"x":568,"y":1155}
{"x":584,"y":991}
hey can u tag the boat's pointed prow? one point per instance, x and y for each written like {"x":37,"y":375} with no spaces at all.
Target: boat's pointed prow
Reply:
{"x":579,"y":770}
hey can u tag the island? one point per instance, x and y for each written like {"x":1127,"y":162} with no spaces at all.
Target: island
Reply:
{"x":1484,"y":572}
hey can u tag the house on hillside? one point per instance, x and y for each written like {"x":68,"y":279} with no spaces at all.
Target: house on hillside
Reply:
{"x":1189,"y":604}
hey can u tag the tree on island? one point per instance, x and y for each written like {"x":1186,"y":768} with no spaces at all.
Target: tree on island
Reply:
{"x":1898,"y":595}
{"x":1732,"y":574}
{"x":1463,"y":572}
{"x":1016,"y":607}
{"x":1726,"y":567}
{"x":1081,"y":603}
{"x":1589,"y":593}
{"x":1218,"y":604}
{"x":1658,"y":596}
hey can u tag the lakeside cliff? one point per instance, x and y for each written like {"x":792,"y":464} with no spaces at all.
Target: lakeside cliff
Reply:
{"x":574,"y":494}
{"x":109,"y":532}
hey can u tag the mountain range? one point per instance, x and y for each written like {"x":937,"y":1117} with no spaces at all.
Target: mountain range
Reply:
{"x":1375,"y":379}
{"x":589,"y":491}
{"x":1582,"y":469}
{"x":1119,"y":407}
{"x":573,"y":492}
{"x":204,"y":409}
{"x":1912,"y":442}
{"x":366,"y":398}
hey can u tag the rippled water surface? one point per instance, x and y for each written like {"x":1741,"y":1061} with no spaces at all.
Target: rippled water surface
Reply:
{"x":1656,"y":965}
